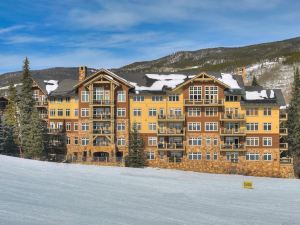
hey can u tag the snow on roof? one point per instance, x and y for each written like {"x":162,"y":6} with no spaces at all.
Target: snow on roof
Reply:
{"x":256,"y":95}
{"x":170,"y":81}
{"x":51,"y":85}
{"x":227,"y":78}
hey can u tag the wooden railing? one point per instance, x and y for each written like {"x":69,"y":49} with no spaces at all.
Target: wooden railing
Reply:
{"x":229,"y":116}
{"x":102,"y":131}
{"x":283,"y":116}
{"x":55,"y":130}
{"x":283,"y":146}
{"x":102,"y":116}
{"x":283,"y":131}
{"x":204,"y":102}
{"x":286,"y":160}
{"x":232,"y":147}
{"x":170,"y":146}
{"x":226,"y":131}
{"x":102,"y":102}
{"x":171,"y":117}
{"x":171,"y":131}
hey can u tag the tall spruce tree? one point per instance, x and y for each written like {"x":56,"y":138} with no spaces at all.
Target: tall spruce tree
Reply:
{"x":136,"y":155}
{"x":254,"y":81}
{"x":10,"y":123}
{"x":26,"y":107}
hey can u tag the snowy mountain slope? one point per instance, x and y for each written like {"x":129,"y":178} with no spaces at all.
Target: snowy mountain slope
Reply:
{"x":43,"y":193}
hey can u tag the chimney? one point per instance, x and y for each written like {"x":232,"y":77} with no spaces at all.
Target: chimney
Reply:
{"x":82,"y":72}
{"x":242,"y":72}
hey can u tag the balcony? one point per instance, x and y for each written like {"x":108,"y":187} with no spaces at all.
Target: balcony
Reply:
{"x":232,"y":117}
{"x":283,"y":146}
{"x":39,"y":103}
{"x":170,"y":146}
{"x":232,"y":132}
{"x":102,"y":102}
{"x":55,"y":130}
{"x":286,"y":160}
{"x":283,"y":131}
{"x":171,"y":117}
{"x":102,"y":144}
{"x":102,"y":117}
{"x":283,"y":116}
{"x":44,"y":116}
{"x":204,"y":102}
{"x":232,"y":147}
{"x":102,"y":131}
{"x":171,"y":132}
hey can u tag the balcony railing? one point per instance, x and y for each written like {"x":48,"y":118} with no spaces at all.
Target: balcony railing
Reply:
{"x":170,"y":146}
{"x":232,"y":132}
{"x":232,"y":147}
{"x":43,"y":116}
{"x":101,"y":144}
{"x":171,"y":131}
{"x":286,"y":160}
{"x":171,"y":117}
{"x":283,"y":116}
{"x":283,"y":131}
{"x":102,"y":102}
{"x":55,"y":130}
{"x":229,"y":116}
{"x":204,"y":102}
{"x":284,"y":146}
{"x":102,"y":131}
{"x":41,"y":103}
{"x":102,"y":116}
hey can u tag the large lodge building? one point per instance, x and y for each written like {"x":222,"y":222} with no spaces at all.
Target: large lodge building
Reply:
{"x":206,"y":122}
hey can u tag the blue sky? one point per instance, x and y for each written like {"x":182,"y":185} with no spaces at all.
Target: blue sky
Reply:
{"x":110,"y":33}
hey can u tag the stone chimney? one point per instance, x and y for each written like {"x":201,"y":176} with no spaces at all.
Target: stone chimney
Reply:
{"x":82,"y":73}
{"x":242,"y":72}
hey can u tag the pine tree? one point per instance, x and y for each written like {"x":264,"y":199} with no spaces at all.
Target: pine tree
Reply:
{"x":10,"y":123}
{"x":254,"y":81}
{"x":136,"y":155}
{"x":26,"y":107}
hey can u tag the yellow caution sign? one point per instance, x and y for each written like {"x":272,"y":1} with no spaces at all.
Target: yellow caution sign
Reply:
{"x":248,"y":184}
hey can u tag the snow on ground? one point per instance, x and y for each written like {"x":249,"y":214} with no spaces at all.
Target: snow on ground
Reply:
{"x":43,"y":193}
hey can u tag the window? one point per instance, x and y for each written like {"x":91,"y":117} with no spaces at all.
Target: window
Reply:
{"x":152,"y":112}
{"x":68,"y":141}
{"x":231,"y":98}
{"x":121,"y":96}
{"x":207,"y":155}
{"x":195,"y":93}
{"x":211,"y":93}
{"x":75,"y":112}
{"x":194,"y":126}
{"x":251,"y":126}
{"x":252,"y":112}
{"x":75,"y":140}
{"x":75,"y":126}
{"x":211,"y":126}
{"x":84,"y":126}
{"x":195,"y":156}
{"x":60,"y":112}
{"x":121,"y":141}
{"x":120,"y":126}
{"x":121,"y":112}
{"x":59,"y":100}
{"x":194,"y":111}
{"x":67,"y":112}
{"x":195,"y":141}
{"x":60,"y":125}
{"x":252,"y":156}
{"x":216,"y":141}
{"x":157,"y":98}
{"x":152,"y":126}
{"x":152,"y":141}
{"x":211,"y":111}
{"x":174,"y":98}
{"x":68,"y":99}
{"x":138,"y":98}
{"x":150,"y":155}
{"x":215,"y":156}
{"x":84,"y":141}
{"x":267,"y":111}
{"x":267,"y":156}
{"x":68,"y":126}
{"x":137,"y":112}
{"x":267,"y":141}
{"x":267,"y":126}
{"x":52,"y":125}
{"x":52,"y":112}
{"x":52,"y":100}
{"x":208,"y":141}
{"x":84,"y":96}
{"x":84,"y":112}
{"x":252,"y":141}
{"x":138,"y":126}
{"x":175,"y":111}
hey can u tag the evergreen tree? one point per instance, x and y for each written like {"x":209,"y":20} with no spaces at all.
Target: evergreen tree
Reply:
{"x":254,"y":81}
{"x":10,"y":123}
{"x":26,"y":106}
{"x":136,"y":155}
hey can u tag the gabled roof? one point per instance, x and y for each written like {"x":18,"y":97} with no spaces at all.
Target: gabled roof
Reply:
{"x":108,"y":73}
{"x":41,"y":84}
{"x":65,"y":88}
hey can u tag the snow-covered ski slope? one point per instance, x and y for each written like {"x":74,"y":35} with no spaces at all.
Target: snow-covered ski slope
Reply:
{"x":42,"y":193}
